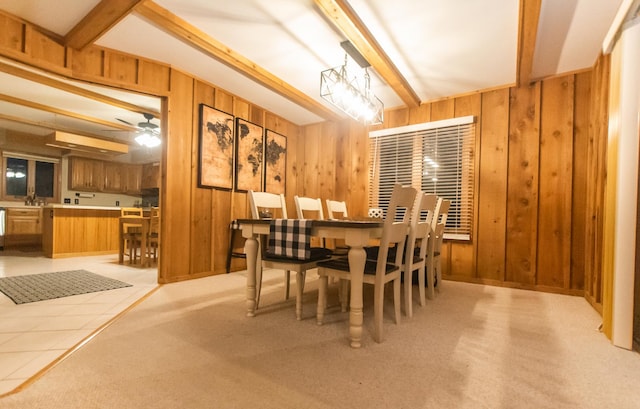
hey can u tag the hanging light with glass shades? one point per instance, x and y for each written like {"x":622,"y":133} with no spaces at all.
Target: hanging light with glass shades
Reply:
{"x":351,"y":93}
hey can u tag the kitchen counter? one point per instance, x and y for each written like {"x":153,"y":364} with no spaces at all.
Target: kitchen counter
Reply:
{"x":75,"y":230}
{"x":80,"y":207}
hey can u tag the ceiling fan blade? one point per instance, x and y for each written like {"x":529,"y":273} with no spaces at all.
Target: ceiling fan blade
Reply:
{"x":125,"y":122}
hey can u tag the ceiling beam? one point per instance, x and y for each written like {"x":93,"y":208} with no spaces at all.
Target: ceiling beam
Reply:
{"x":100,"y":19}
{"x":57,"y":127}
{"x":64,"y":86}
{"x":527,"y":34}
{"x":196,"y":38}
{"x":348,"y":22}
{"x":63,"y":112}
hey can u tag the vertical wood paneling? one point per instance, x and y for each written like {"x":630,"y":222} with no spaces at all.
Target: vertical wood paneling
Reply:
{"x":153,"y":76}
{"x":88,"y":62}
{"x":580,"y":180}
{"x":310,"y":161}
{"x":42,"y":48}
{"x":176,"y":195}
{"x":522,"y":186}
{"x":201,"y":235}
{"x":122,"y":68}
{"x":11,"y":37}
{"x":492,"y":196}
{"x":555,"y":183}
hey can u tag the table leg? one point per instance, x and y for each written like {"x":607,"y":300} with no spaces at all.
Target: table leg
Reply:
{"x":357,"y":259}
{"x":251,"y":250}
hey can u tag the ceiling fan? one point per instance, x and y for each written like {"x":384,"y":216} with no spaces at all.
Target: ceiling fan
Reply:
{"x":144,"y":127}
{"x":148,"y":133}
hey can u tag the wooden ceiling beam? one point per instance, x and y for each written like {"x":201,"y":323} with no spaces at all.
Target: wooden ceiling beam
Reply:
{"x":63,"y":112}
{"x":527,"y":35}
{"x":64,"y":86}
{"x":57,"y":127}
{"x":198,"y":39}
{"x":100,"y":19}
{"x":348,"y":22}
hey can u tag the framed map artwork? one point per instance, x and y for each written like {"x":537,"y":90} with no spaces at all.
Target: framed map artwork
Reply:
{"x":215,"y":165}
{"x":275,"y":160}
{"x":249,"y":156}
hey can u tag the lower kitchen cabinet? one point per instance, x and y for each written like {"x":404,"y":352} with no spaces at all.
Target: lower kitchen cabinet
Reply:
{"x":24,"y":227}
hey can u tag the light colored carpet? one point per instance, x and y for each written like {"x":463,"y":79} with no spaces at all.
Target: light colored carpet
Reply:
{"x":190,"y":345}
{"x":46,"y":286}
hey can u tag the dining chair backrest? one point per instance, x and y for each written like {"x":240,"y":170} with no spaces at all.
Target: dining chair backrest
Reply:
{"x":264,"y":201}
{"x":441,"y":213}
{"x":310,"y":205}
{"x":154,"y":223}
{"x":444,"y":212}
{"x":396,"y":228}
{"x":336,"y":209}
{"x":421,"y":222}
{"x":131,"y":211}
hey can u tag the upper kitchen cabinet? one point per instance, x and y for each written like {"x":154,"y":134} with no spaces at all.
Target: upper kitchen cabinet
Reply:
{"x":86,"y":174}
{"x":133,"y":179}
{"x":151,"y":176}
{"x":122,"y":178}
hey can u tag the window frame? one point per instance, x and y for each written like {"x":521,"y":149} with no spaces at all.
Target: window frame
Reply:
{"x":406,"y":150}
{"x":31,"y":177}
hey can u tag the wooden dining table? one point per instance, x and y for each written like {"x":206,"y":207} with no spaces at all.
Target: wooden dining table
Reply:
{"x":355,"y":233}
{"x":144,"y":223}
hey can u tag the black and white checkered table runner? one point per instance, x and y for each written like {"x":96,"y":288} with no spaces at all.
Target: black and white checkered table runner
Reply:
{"x":290,"y":238}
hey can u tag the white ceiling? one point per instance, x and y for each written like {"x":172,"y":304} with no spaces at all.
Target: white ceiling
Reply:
{"x":442,"y":48}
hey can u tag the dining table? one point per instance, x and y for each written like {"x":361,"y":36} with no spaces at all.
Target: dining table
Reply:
{"x":356,"y":234}
{"x":144,"y":223}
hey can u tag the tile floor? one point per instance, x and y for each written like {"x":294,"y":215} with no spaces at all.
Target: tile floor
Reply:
{"x":34,"y":335}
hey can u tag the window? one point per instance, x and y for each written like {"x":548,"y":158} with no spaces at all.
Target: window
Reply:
{"x":27,"y":174}
{"x":435,"y":157}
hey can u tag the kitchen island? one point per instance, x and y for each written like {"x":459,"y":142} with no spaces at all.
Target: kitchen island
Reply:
{"x":73,"y":230}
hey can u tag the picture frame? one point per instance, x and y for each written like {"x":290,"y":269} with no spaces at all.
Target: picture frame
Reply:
{"x":249,"y":172}
{"x":216,"y":149}
{"x":275,"y":162}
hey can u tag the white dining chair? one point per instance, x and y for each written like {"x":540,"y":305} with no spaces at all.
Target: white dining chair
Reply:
{"x":415,"y":258}
{"x":336,"y":209}
{"x":435,"y":281}
{"x":260,"y":202}
{"x":381,"y":271}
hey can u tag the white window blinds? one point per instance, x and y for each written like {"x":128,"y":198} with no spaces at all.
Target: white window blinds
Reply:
{"x":435,"y":157}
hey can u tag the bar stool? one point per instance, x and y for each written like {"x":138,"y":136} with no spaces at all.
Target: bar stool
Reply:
{"x":234,"y":229}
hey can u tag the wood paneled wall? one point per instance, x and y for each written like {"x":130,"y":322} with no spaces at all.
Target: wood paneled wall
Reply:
{"x":539,"y":163}
{"x":540,"y":158}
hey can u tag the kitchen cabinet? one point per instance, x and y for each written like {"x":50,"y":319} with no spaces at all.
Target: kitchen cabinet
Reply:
{"x":86,"y":174}
{"x":133,"y":184}
{"x":151,"y":175}
{"x":114,"y":178}
{"x":23,"y":227}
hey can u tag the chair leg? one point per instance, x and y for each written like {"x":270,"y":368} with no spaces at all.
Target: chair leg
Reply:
{"x":438,"y":274}
{"x":287,"y":275}
{"x":299,"y":291}
{"x":408,"y":292}
{"x":378,"y":308}
{"x":421,"y":275}
{"x":396,"y":297}
{"x":322,"y":299}
{"x":430,"y":279}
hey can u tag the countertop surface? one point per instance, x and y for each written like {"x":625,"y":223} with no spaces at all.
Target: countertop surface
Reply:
{"x":80,"y":207}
